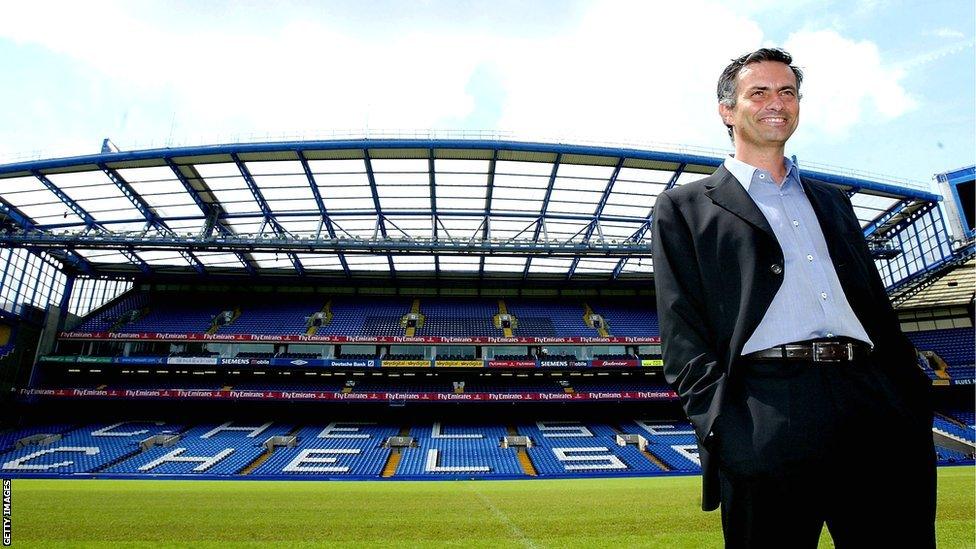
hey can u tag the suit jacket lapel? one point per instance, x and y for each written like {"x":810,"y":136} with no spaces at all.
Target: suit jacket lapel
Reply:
{"x":825,"y":207}
{"x":729,"y":194}
{"x":830,"y":216}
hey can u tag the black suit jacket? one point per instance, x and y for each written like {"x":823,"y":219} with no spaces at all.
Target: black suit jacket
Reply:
{"x":717,"y":266}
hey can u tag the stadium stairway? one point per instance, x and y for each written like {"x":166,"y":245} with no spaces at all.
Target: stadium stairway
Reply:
{"x":523,"y":457}
{"x":266,"y":455}
{"x":646,"y":451}
{"x":390,"y":467}
{"x":503,"y":310}
{"x":414,"y":310}
{"x":587,"y":311}
{"x":214,"y":325}
{"x":327,"y":318}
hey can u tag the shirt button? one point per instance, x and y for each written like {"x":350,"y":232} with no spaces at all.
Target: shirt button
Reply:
{"x":762,"y":176}
{"x":776,"y":268}
{"x":796,"y":223}
{"x":809,"y":257}
{"x":823,"y":295}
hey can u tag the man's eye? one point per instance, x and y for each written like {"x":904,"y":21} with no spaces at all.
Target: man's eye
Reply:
{"x":757,"y":93}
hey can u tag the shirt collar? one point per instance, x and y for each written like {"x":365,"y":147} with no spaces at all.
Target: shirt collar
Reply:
{"x":745,"y":173}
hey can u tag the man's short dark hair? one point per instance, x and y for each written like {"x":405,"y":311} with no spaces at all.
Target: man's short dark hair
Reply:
{"x":727,"y":82}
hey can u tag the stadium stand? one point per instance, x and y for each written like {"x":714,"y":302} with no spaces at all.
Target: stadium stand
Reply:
{"x":953,"y":428}
{"x":341,"y":402}
{"x":277,"y":317}
{"x":86,"y":449}
{"x":104,"y":319}
{"x":458,"y":317}
{"x":629,"y":320}
{"x":573,"y":448}
{"x":549,"y":318}
{"x":956,"y":346}
{"x":459,"y":450}
{"x":353,"y":448}
{"x":333,"y":450}
{"x":367,"y":317}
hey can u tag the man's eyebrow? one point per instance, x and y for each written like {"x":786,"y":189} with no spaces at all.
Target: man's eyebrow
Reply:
{"x":764,"y":88}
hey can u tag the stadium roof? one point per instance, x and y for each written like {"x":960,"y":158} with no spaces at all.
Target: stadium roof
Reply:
{"x":450,"y":208}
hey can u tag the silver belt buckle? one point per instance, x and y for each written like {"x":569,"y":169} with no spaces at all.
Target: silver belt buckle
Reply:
{"x":820,"y":348}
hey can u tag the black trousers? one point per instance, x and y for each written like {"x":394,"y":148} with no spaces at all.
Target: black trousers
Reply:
{"x":803,"y":444}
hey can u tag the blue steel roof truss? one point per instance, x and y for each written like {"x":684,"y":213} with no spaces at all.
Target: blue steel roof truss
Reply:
{"x":90,"y":222}
{"x":646,"y":226}
{"x":65,"y":255}
{"x":269,"y":217}
{"x":213,"y":213}
{"x":595,"y":224}
{"x":435,"y":219}
{"x":541,"y":221}
{"x":146,"y":210}
{"x":486,"y":224}
{"x":326,"y":220}
{"x":544,"y":234}
{"x":380,"y":218}
{"x":68,"y":201}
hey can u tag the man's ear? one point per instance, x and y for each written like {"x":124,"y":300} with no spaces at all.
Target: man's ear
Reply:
{"x":725,"y":112}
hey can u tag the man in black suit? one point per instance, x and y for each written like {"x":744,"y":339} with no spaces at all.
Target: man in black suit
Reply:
{"x":780,"y":340}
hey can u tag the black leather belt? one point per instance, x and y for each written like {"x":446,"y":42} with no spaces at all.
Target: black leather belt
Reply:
{"x":814,"y":351}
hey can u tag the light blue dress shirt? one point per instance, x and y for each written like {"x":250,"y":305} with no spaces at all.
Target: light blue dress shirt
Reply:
{"x":810,"y":304}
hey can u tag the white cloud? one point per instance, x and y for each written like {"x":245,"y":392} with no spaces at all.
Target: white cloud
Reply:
{"x":845,"y":81}
{"x":299,"y":76}
{"x":927,"y":57}
{"x":946,"y":32}
{"x":628,"y":71}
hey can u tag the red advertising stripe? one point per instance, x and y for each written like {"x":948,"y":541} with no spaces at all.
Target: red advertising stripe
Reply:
{"x":232,"y":338}
{"x":511,"y":364}
{"x":615,"y":363}
{"x":216,"y":394}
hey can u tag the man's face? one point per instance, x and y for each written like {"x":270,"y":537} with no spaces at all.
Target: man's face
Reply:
{"x":767,"y":108}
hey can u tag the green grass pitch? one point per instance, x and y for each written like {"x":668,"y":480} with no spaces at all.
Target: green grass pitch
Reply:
{"x":645,"y":512}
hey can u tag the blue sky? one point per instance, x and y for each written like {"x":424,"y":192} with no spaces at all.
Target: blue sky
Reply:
{"x":889,"y":88}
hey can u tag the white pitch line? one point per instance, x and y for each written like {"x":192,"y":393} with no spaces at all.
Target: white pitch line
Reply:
{"x":519,"y":534}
